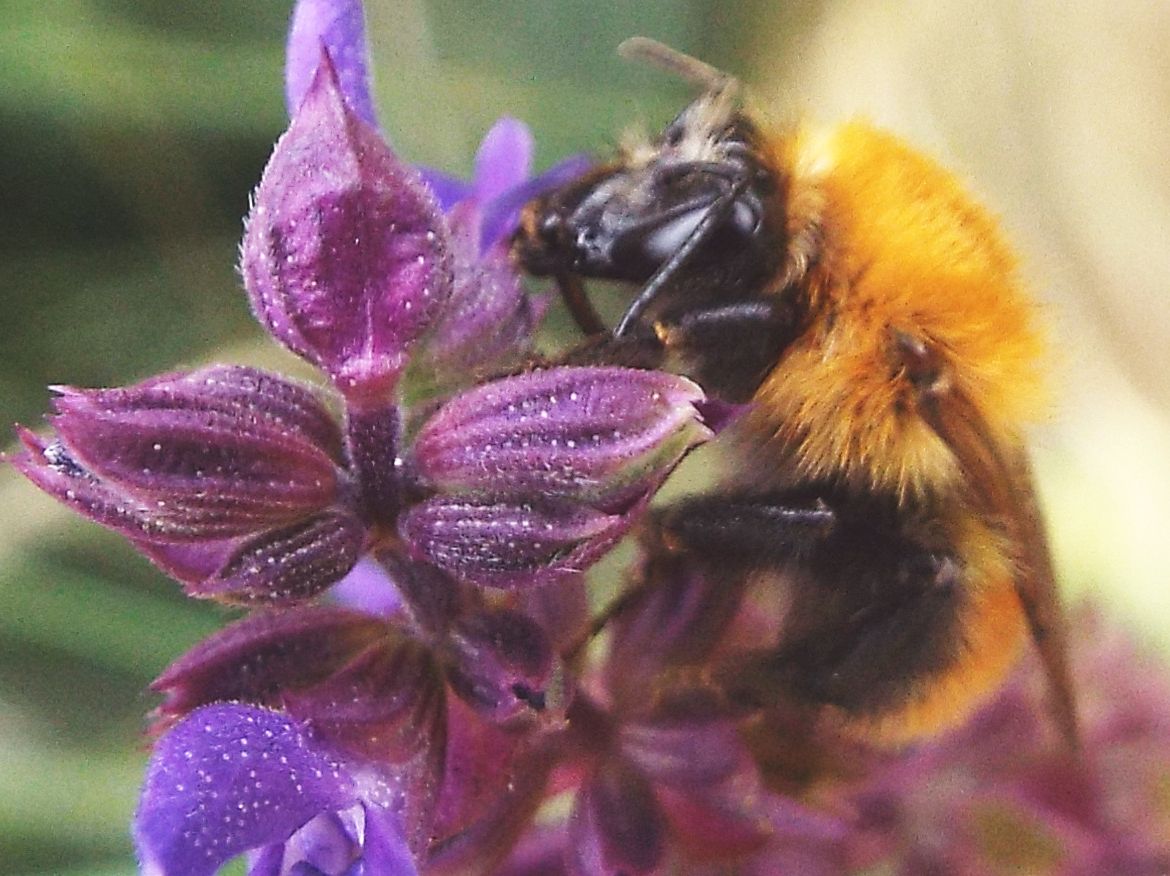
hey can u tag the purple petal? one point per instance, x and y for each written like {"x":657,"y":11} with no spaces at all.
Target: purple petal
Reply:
{"x":506,"y":545}
{"x":616,"y":826}
{"x":289,"y":565}
{"x":504,"y":159}
{"x":597,"y":435}
{"x":229,"y":778}
{"x":385,"y":850}
{"x":369,"y":589}
{"x":328,"y":843}
{"x":338,"y":27}
{"x":502,"y":215}
{"x":448,"y":190}
{"x":502,"y":665}
{"x":265,"y":653}
{"x":268,"y":861}
{"x":344,"y":255}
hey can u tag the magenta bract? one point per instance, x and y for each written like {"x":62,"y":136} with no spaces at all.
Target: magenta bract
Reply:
{"x":344,"y":255}
{"x":502,"y":544}
{"x":596,"y":435}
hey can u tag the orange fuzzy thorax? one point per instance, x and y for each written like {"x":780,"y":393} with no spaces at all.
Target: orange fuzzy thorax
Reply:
{"x":902,"y":247}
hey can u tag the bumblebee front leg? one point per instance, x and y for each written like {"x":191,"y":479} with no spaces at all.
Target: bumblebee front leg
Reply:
{"x":728,"y":349}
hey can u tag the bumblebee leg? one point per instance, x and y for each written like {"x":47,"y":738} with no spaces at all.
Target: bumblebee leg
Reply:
{"x":869,"y":612}
{"x":743,"y":530}
{"x":729,"y":349}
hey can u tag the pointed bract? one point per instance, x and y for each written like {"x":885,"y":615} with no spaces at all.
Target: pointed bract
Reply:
{"x":597,"y":435}
{"x":256,"y":658}
{"x":344,"y":254}
{"x":499,"y":544}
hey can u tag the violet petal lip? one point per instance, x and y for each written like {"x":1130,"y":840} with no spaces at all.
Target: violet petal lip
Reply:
{"x":345,"y":253}
{"x":229,"y":778}
{"x":339,"y":27}
{"x":504,"y":159}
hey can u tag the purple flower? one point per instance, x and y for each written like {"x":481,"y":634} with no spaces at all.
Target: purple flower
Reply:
{"x":341,"y":739}
{"x":231,"y":778}
{"x":502,"y":183}
{"x":338,"y":26}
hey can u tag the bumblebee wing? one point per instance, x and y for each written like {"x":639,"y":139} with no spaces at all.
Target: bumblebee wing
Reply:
{"x":1001,"y":482}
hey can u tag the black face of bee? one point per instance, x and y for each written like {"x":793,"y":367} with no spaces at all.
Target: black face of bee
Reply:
{"x":623,"y":221}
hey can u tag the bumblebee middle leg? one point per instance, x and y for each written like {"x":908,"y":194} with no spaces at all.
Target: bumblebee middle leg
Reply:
{"x":871,"y":610}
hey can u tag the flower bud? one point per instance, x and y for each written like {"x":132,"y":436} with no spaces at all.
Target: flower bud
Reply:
{"x":345,"y":253}
{"x":595,"y":435}
{"x":489,"y":318}
{"x":499,"y":544}
{"x":203,"y":455}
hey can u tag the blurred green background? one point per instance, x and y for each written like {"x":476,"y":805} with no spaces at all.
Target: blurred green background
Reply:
{"x":131,"y":132}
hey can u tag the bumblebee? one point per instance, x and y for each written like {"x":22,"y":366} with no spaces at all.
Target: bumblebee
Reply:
{"x":868,"y":310}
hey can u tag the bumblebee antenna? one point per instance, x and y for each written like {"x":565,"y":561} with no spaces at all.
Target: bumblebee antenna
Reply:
{"x":708,"y":224}
{"x":672,"y":61}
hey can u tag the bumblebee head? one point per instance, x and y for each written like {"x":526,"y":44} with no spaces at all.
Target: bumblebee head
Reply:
{"x":702,"y":187}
